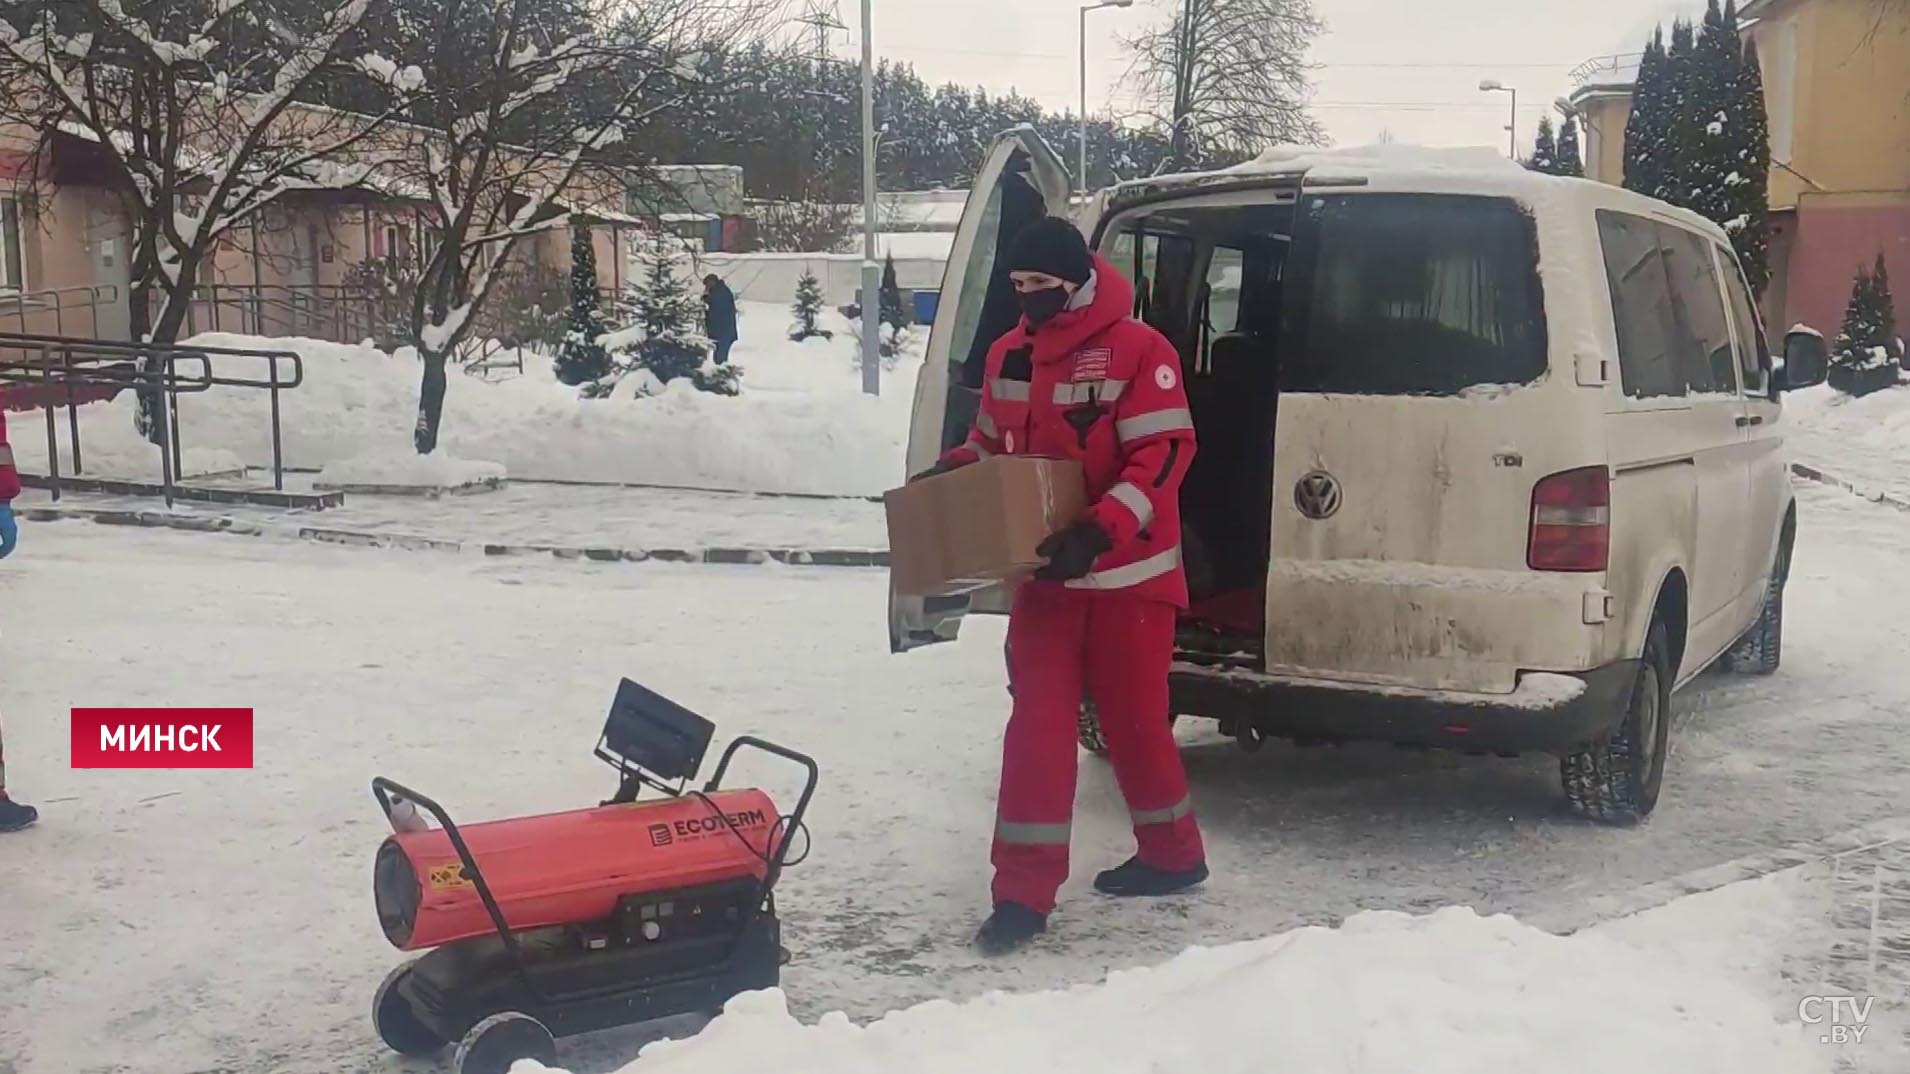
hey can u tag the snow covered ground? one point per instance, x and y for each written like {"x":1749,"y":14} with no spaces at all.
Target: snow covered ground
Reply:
{"x":1863,"y":441}
{"x":801,"y":424}
{"x":175,"y":923}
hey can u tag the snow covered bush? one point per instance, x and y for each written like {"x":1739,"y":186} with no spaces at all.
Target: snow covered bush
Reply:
{"x":384,"y":286}
{"x":807,"y":307}
{"x":582,"y":356}
{"x":1866,"y":354}
{"x":533,"y":308}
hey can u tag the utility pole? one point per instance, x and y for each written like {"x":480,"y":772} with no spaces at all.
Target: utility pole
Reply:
{"x":871,"y":272}
{"x":1081,"y":175}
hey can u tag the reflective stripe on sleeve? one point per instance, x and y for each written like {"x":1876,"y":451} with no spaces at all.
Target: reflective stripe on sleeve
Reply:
{"x":1038,"y":835}
{"x":1155,"y":423}
{"x":980,"y":449}
{"x":986,"y":423}
{"x":1162,"y":816}
{"x":1132,"y":498}
{"x":6,"y":455}
{"x":1132,"y":574}
{"x":1012,"y":391}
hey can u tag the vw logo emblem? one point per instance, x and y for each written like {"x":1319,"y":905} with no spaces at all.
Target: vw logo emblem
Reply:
{"x":1317,"y":495}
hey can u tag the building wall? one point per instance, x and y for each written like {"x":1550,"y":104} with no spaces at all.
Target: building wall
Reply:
{"x":1837,"y":85}
{"x":1836,"y":234}
{"x":1603,"y":117}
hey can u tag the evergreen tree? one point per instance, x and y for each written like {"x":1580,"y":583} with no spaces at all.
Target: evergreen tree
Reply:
{"x":1886,"y":310}
{"x":1679,"y":110}
{"x":1571,"y":160}
{"x":1544,"y":150}
{"x":1869,"y":335}
{"x":660,"y":301}
{"x":581,"y":358}
{"x":891,"y":297}
{"x":1645,"y":131}
{"x":807,"y":308}
{"x":1748,"y":180}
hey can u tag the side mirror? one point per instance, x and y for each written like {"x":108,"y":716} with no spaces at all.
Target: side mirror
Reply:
{"x":1806,"y":360}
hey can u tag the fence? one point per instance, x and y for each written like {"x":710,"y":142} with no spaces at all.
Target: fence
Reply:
{"x":58,"y":371}
{"x":60,"y":311}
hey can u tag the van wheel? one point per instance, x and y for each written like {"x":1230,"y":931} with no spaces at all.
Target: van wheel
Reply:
{"x":1087,"y":728}
{"x":1761,"y":649}
{"x":1616,"y":779}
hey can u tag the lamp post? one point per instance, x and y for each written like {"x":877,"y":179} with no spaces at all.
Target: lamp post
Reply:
{"x":1493,"y":85}
{"x":871,"y":272}
{"x":1081,"y":176}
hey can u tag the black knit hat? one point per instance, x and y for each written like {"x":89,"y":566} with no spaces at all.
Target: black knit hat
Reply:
{"x":1053,"y":246}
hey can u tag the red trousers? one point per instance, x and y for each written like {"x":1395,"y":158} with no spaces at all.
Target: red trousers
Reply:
{"x":1064,"y":644}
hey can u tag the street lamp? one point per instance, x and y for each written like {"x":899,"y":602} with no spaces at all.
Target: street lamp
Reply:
{"x":1493,"y":85}
{"x":871,"y":280}
{"x":1081,"y":177}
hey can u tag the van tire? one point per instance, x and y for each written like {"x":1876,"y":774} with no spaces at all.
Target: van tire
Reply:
{"x":1612,"y":780}
{"x":1761,"y":650}
{"x":1088,"y":729}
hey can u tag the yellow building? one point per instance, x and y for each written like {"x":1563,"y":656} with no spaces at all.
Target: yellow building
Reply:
{"x":1837,"y":90}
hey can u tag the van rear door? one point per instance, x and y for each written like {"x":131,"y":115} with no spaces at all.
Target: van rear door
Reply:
{"x":1415,"y":418}
{"x":1021,"y":181}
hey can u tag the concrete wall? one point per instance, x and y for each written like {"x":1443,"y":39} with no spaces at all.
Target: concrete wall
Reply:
{"x":772,"y":277}
{"x":1835,"y":235}
{"x":1603,"y":116}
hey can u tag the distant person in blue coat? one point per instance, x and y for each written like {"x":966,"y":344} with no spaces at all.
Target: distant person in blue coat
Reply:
{"x":719,"y":316}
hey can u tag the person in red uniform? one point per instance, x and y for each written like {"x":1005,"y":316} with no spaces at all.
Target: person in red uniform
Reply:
{"x":1079,"y":378}
{"x":13,"y":815}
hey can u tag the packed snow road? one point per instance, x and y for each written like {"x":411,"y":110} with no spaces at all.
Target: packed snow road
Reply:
{"x":166,"y":922}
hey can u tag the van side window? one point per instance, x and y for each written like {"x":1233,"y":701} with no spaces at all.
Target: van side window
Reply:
{"x":1754,"y":350}
{"x":1710,"y":365}
{"x":1224,"y":271}
{"x":1648,"y":329}
{"x":1412,"y":294}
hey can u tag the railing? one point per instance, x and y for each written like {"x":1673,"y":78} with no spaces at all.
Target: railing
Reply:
{"x":61,"y":366}
{"x":1621,"y":69}
{"x":331,"y":312}
{"x":62,"y":304}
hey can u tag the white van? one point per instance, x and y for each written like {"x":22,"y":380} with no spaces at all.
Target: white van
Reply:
{"x":1488,"y":459}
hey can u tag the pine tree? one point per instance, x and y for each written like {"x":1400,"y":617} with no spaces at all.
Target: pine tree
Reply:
{"x":1748,"y":180}
{"x":1645,"y":164}
{"x":1544,"y":150}
{"x":581,"y":358}
{"x":890,"y":296}
{"x":1679,"y":114}
{"x":660,"y":301}
{"x":1870,"y":323}
{"x":1571,"y":160}
{"x":1885,"y":314}
{"x":807,"y":308}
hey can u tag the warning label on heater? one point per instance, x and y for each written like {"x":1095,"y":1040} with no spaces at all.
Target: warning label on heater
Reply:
{"x":442,"y":877}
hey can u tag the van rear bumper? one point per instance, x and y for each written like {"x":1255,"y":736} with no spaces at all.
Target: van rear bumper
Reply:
{"x":1548,"y":714}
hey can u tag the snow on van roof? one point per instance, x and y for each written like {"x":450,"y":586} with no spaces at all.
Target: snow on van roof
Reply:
{"x":1288,"y":159}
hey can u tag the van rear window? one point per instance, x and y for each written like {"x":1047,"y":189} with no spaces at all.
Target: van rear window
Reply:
{"x":1412,"y":294}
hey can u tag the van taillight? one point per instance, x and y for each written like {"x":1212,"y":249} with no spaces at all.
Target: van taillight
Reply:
{"x":1571,"y":522}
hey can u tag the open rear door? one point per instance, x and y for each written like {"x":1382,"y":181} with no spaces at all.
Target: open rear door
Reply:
{"x":1022,"y":181}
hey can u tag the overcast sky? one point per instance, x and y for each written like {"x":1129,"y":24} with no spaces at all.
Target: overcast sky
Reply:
{"x":1408,"y":67}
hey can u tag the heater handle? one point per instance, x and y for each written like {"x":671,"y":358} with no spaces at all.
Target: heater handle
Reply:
{"x":802,"y":804}
{"x":383,"y":789}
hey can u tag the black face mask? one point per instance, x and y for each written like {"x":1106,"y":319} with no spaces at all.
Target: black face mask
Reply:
{"x":1041,"y":306}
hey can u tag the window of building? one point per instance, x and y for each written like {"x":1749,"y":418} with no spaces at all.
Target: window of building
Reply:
{"x":12,"y":258}
{"x":1779,"y":59}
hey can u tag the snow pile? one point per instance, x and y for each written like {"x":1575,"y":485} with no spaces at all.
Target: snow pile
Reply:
{"x":399,"y":465}
{"x":801,"y":425}
{"x":1450,"y":993}
{"x":1863,"y":440}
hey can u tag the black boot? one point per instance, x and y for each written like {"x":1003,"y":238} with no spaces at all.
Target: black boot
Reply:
{"x":1010,"y":927}
{"x":14,"y":816}
{"x":1136,"y":877}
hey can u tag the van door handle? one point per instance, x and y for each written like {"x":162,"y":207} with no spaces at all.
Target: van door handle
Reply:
{"x":1747,"y":422}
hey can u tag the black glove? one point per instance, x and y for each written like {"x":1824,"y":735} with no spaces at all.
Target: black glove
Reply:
{"x":940,"y":468}
{"x":1071,"y":552}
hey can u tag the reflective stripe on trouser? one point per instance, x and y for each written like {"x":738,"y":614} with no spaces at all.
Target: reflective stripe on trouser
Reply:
{"x":1064,"y":644}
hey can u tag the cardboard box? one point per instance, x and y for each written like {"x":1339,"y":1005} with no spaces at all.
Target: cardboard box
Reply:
{"x":979,"y":525}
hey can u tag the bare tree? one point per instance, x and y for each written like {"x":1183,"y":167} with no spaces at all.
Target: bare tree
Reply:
{"x":193,"y":109}
{"x":1227,"y":76}
{"x":519,"y":101}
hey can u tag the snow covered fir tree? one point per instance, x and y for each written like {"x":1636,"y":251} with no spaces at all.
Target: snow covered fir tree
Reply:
{"x":807,"y":308}
{"x":1544,"y":156}
{"x":1698,"y":137}
{"x":890,"y":296}
{"x":581,"y":357}
{"x":1867,"y":353}
{"x":1570,"y":161}
{"x":665,"y":312}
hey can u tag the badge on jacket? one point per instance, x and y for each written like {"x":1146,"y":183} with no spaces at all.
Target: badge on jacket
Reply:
{"x":1091,"y":364}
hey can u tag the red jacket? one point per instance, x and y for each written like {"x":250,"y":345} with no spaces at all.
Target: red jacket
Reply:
{"x":9,"y":477}
{"x":1096,"y":385}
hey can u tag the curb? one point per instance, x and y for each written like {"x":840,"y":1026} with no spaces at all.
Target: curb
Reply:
{"x":1811,"y":473}
{"x":720,"y":556}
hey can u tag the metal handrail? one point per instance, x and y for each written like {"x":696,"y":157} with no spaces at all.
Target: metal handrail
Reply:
{"x":55,"y":299}
{"x":148,"y":368}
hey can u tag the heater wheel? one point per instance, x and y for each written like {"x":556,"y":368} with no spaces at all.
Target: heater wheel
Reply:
{"x":502,"y":1039}
{"x":396,"y":1023}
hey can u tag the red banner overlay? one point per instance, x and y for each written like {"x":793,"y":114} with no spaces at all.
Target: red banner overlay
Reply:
{"x":162,"y":738}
